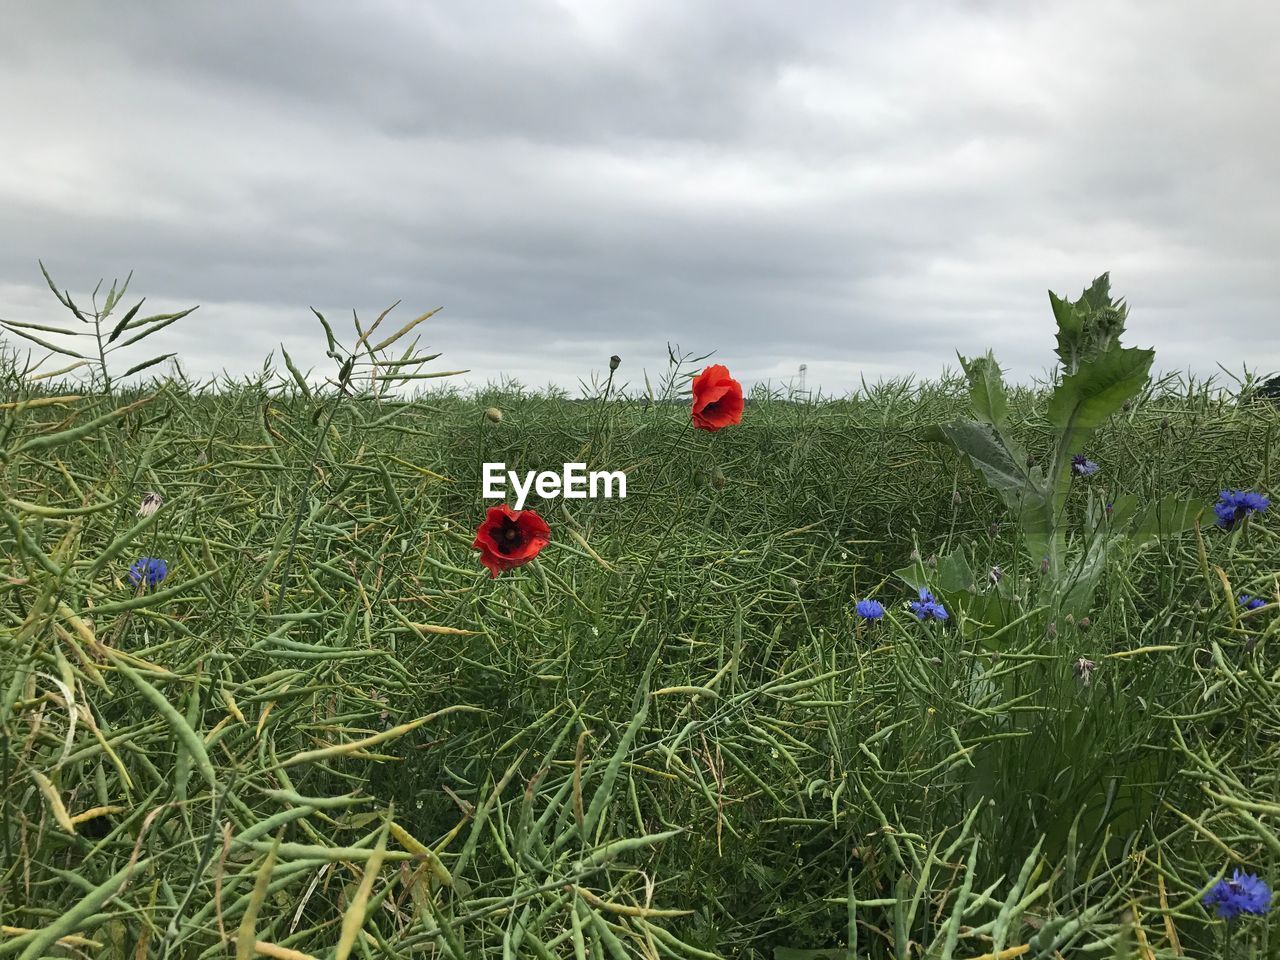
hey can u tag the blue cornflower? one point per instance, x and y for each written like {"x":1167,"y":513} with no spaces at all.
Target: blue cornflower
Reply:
{"x":1251,"y":603}
{"x":148,"y":570}
{"x":1083,"y":467}
{"x":870,"y":609}
{"x":928,"y":607}
{"x":1243,"y":893}
{"x":1234,"y":505}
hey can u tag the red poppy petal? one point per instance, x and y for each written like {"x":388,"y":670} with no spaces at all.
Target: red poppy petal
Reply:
{"x":709,"y":396}
{"x":715,"y":373}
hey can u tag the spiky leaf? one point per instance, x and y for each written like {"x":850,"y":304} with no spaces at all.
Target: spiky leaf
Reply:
{"x":1089,"y":326}
{"x":986,"y":389}
{"x":1083,"y":400}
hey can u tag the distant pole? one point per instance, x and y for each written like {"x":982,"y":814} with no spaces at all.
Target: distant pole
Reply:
{"x":804,"y":368}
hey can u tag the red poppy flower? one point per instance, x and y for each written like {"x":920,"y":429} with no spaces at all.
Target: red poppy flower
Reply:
{"x":717,"y":399}
{"x":510,"y":538}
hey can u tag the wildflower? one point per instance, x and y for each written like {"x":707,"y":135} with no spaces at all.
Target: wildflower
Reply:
{"x":151,"y":502}
{"x":996,"y":575}
{"x":148,"y":570}
{"x":1251,"y":603}
{"x":614,"y":362}
{"x":717,"y":399}
{"x":1110,"y":507}
{"x":510,"y":538}
{"x":1234,"y":505}
{"x":1081,"y":466}
{"x":1085,"y":623}
{"x":493,"y":414}
{"x":1044,"y":564}
{"x":870,"y":609}
{"x":1084,"y":668}
{"x":928,"y":607}
{"x":1243,"y":893}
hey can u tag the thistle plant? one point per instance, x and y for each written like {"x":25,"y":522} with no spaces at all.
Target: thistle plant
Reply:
{"x":1099,"y":376}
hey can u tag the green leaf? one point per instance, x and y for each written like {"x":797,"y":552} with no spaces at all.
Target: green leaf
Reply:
{"x":1089,"y":326}
{"x":1083,"y":400}
{"x":1079,"y":583}
{"x":1166,"y":517}
{"x":986,"y":389}
{"x":954,"y":573}
{"x":913,"y":576}
{"x":1002,"y":463}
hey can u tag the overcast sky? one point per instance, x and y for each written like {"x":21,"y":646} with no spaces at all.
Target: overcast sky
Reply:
{"x":862,"y":187}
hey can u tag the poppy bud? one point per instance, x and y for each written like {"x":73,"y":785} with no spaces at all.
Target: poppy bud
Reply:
{"x":1084,"y":623}
{"x":932,"y":562}
{"x":1164,"y":423}
{"x":614,"y":362}
{"x":718,"y":479}
{"x":1051,"y":630}
{"x":1069,"y":620}
{"x":493,"y":415}
{"x":1031,"y":460}
{"x":955,"y":497}
{"x":994,"y":529}
{"x":1127,"y":406}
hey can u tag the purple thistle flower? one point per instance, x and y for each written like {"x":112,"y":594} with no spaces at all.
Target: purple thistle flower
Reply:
{"x":1243,"y":893}
{"x":1082,"y":466}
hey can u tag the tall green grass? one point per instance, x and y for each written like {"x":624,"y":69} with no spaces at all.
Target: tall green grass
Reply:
{"x":328,"y":732}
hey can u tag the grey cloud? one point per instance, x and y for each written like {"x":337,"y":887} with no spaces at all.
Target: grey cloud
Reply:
{"x":865,"y":190}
